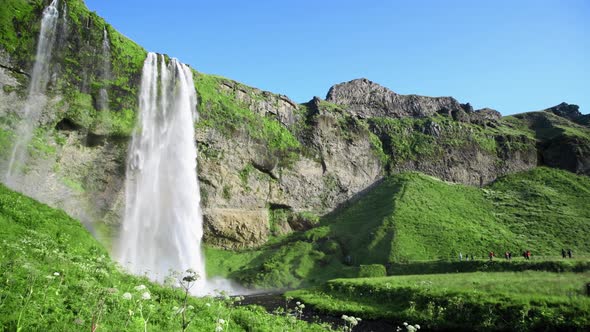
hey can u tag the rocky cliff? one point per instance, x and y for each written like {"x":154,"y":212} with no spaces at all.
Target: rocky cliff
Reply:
{"x":267,"y":165}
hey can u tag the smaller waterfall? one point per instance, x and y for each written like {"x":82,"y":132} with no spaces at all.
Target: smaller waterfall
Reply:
{"x":36,"y":98}
{"x":162,"y":228}
{"x":105,"y":73}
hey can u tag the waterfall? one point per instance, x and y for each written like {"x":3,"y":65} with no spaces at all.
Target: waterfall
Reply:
{"x":162,"y":227}
{"x":105,"y":73}
{"x":36,"y":98}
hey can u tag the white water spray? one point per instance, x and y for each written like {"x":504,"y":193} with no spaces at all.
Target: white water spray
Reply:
{"x":105,"y":74}
{"x":162,"y":229}
{"x":36,"y":99}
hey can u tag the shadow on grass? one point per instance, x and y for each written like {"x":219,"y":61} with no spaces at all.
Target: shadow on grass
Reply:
{"x":436,"y":267}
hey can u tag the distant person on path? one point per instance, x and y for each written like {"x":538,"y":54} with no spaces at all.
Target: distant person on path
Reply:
{"x":563,"y":253}
{"x":524,"y":254}
{"x":460,"y":257}
{"x":510,"y":255}
{"x":528,"y":254}
{"x":569,"y":253}
{"x":491,"y":255}
{"x":506,"y":255}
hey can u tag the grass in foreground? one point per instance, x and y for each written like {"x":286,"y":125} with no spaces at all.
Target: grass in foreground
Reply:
{"x":481,"y":301}
{"x":55,"y":277}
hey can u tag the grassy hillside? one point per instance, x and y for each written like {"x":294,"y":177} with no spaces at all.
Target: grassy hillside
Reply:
{"x":55,"y":277}
{"x":478,"y":301}
{"x":412,"y":217}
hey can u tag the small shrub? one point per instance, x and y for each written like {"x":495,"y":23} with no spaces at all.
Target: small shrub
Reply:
{"x":372,"y":271}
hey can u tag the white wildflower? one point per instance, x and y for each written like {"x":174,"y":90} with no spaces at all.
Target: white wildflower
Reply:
{"x":417,"y":326}
{"x":56,"y":274}
{"x":219,"y":328}
{"x":140,"y":288}
{"x":146,"y":296}
{"x":208,"y":304}
{"x":221,"y":321}
{"x":127,"y":296}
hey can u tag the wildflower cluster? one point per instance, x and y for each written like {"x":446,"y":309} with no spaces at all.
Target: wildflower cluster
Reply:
{"x":350,"y":322}
{"x":409,"y":327}
{"x":220,"y":324}
{"x":299,"y":309}
{"x":136,"y":309}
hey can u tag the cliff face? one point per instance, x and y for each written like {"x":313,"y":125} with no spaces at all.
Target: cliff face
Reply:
{"x":267,"y":166}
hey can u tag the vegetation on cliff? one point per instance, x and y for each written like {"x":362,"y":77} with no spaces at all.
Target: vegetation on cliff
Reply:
{"x":221,"y":110}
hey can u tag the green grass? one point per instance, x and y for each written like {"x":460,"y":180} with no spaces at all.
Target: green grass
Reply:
{"x":482,"y":301}
{"x":17,"y":15}
{"x":411,"y":217}
{"x":546,"y":207}
{"x":54,"y":276}
{"x":548,"y":126}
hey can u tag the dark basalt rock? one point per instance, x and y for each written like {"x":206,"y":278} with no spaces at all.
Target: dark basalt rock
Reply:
{"x":485,"y":117}
{"x":366,"y":99}
{"x":565,"y":110}
{"x":569,"y":153}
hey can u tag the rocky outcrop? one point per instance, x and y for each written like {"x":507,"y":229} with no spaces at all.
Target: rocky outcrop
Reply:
{"x":235,"y":228}
{"x":560,"y":142}
{"x":472,"y":165}
{"x":570,"y":112}
{"x":569,"y":153}
{"x":263,"y":103}
{"x":241,"y":174}
{"x":485,"y":117}
{"x":565,"y":110}
{"x":366,"y":99}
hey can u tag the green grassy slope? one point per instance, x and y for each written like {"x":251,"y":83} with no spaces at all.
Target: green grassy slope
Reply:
{"x":416,"y":217}
{"x":412,"y":217}
{"x":55,"y":277}
{"x":478,"y":301}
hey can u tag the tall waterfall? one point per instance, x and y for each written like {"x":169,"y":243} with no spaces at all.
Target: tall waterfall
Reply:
{"x":105,"y":73}
{"x":162,"y":228}
{"x":36,"y":99}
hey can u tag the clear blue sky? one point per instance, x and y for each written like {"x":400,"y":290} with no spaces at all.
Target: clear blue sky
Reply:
{"x":510,"y":55}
